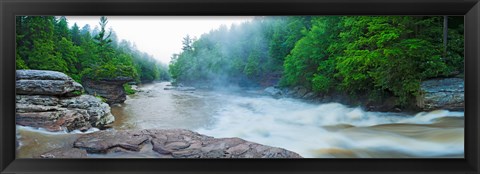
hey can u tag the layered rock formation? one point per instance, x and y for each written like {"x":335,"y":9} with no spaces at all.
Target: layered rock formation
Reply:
{"x":54,"y":101}
{"x":445,"y":93}
{"x":168,"y":143}
{"x":110,"y":89}
{"x":40,"y":82}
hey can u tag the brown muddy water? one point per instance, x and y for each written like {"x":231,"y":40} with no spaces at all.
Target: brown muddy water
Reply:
{"x":329,"y":130}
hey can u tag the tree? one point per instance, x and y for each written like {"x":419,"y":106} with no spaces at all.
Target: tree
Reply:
{"x":46,"y":42}
{"x":76,"y":35}
{"x":21,"y":48}
{"x":187,"y":43}
{"x":39,"y":44}
{"x":371,"y":56}
{"x":445,"y":36}
{"x":310,"y":63}
{"x":61,"y":28}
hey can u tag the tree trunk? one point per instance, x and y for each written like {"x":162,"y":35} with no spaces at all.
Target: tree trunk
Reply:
{"x":445,"y":36}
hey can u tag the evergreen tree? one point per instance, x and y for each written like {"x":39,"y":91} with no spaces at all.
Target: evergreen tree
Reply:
{"x":46,"y":42}
{"x":378,"y":56}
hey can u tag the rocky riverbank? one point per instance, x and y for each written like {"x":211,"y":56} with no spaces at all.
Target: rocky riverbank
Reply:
{"x":54,"y":101}
{"x":166,"y":143}
{"x":442,"y":93}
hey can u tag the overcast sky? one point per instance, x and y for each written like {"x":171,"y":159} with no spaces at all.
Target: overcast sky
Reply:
{"x":160,"y":36}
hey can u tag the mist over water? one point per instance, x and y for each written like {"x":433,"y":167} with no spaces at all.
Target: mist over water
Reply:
{"x":317,"y":130}
{"x":312,"y":130}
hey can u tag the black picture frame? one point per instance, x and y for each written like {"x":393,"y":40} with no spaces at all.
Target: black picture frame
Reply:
{"x":10,"y":8}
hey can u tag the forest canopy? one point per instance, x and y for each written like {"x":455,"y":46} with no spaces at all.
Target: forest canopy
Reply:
{"x":377,"y":56}
{"x":374,"y":56}
{"x":47,"y":43}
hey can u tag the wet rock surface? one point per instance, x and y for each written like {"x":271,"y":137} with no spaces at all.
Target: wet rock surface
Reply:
{"x":176,"y":143}
{"x":53,"y":101}
{"x":273,"y":91}
{"x":65,"y":153}
{"x":447,"y":93}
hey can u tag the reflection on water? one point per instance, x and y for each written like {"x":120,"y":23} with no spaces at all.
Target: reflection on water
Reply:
{"x":312,"y":130}
{"x":159,"y":108}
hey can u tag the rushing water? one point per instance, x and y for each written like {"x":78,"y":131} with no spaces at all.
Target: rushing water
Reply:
{"x":312,"y":130}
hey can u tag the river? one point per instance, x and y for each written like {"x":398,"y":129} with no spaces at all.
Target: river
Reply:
{"x":329,"y":130}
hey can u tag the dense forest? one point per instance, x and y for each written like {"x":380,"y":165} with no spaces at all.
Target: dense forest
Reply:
{"x":47,"y":43}
{"x":376,"y":56}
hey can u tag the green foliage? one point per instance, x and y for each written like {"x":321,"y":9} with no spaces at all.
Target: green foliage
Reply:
{"x":20,"y":64}
{"x":109,"y":71}
{"x":321,"y":83}
{"x":310,"y":63}
{"x":101,"y":98}
{"x":36,"y":44}
{"x":373,"y":56}
{"x":128,"y":89}
{"x":455,"y":49}
{"x":389,"y":54}
{"x":77,"y":92}
{"x":46,"y":42}
{"x":244,"y":54}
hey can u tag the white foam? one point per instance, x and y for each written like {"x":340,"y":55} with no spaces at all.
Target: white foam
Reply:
{"x":44,"y":131}
{"x":297,"y":126}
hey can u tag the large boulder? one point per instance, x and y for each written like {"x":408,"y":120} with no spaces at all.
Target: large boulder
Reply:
{"x":40,"y":82}
{"x":57,"y":114}
{"x":110,"y":89}
{"x":301,"y":91}
{"x":177,"y":143}
{"x":310,"y":96}
{"x":296,"y":92}
{"x":53,"y":101}
{"x":446,"y":93}
{"x":98,"y":112}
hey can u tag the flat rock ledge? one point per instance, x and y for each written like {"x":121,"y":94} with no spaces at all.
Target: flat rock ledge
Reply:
{"x":44,"y":82}
{"x":169,"y":143}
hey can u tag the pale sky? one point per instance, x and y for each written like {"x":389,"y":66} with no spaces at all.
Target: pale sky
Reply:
{"x":160,"y":36}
